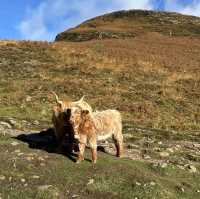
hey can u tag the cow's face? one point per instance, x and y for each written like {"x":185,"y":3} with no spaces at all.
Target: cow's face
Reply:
{"x":75,"y":120}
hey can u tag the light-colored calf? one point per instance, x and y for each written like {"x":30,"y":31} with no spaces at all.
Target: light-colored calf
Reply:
{"x":91,"y":127}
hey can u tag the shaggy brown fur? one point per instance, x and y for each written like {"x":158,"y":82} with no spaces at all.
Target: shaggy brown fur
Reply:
{"x":60,"y":117}
{"x":91,"y":127}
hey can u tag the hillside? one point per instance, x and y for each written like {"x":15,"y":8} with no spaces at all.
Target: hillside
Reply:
{"x":152,"y":78}
{"x":129,"y":24}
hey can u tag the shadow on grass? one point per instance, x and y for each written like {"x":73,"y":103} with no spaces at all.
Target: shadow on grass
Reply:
{"x":46,"y":140}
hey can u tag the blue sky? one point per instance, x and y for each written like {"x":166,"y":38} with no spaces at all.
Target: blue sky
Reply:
{"x":43,"y":19}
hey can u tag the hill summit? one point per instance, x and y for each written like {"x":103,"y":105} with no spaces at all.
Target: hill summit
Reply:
{"x":129,"y":24}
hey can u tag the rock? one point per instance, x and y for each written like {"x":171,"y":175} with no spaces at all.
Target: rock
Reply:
{"x":182,"y":189}
{"x":147,"y":157}
{"x":152,"y":183}
{"x":29,"y":158}
{"x":164,"y":154}
{"x":160,"y":143}
{"x":138,"y":183}
{"x":36,"y":122}
{"x":192,"y":168}
{"x":35,"y":177}
{"x":14,"y":143}
{"x":28,"y":98}
{"x":2,"y":177}
{"x":5,"y":125}
{"x":12,"y":121}
{"x":75,"y":196}
{"x":17,"y":151}
{"x":163,"y":165}
{"x":23,"y":180}
{"x":20,"y":154}
{"x":91,"y":181}
{"x":44,"y":187}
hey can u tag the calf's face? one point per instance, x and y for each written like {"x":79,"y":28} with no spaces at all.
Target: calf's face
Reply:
{"x":77,"y":119}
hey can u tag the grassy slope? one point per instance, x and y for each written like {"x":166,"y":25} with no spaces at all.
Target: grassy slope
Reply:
{"x":127,"y":24}
{"x":118,"y":178}
{"x":153,"y":79}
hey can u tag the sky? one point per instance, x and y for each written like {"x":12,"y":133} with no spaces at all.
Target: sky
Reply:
{"x":44,"y":19}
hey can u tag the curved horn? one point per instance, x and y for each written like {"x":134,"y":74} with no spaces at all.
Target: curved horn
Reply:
{"x":81,"y":100}
{"x":56,"y":96}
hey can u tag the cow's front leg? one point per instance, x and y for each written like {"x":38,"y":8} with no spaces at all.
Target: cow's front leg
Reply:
{"x":81,"y":152}
{"x":93,"y":146}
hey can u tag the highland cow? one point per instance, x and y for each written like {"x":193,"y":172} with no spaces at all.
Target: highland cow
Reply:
{"x":92,"y":127}
{"x":61,"y":115}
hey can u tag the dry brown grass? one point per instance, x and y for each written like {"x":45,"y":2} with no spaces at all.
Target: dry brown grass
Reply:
{"x":154,"y":80}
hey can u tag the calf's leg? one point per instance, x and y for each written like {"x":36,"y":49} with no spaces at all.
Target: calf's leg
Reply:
{"x":81,"y":152}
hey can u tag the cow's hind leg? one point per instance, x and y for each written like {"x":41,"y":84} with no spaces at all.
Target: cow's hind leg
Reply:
{"x":118,"y":140}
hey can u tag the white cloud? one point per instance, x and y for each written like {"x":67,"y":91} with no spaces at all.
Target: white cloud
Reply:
{"x":190,"y":8}
{"x":51,"y":17}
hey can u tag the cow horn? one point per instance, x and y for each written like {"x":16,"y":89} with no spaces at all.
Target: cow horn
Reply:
{"x":56,"y":96}
{"x":81,"y":100}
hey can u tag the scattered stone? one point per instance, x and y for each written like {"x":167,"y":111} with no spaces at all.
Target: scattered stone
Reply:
{"x":160,"y":143}
{"x":12,"y":121}
{"x":182,"y":189}
{"x":152,"y":183}
{"x":15,"y":143}
{"x":44,"y":187}
{"x":17,"y":151}
{"x":29,"y":158}
{"x":163,"y":165}
{"x":35,"y":177}
{"x":28,"y":98}
{"x":25,"y":185}
{"x":192,"y":168}
{"x":2,"y":177}
{"x":42,"y":164}
{"x":198,"y":191}
{"x":164,"y":154}
{"x":138,"y":183}
{"x":91,"y":181}
{"x":147,"y":157}
{"x":9,"y":179}
{"x":196,"y":145}
{"x":23,"y":180}
{"x":36,"y":122}
{"x":5,"y":125}
{"x":20,"y":154}
{"x":75,"y":195}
